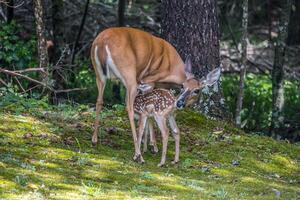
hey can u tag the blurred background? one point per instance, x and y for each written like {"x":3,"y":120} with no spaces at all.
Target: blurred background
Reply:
{"x":71,"y":26}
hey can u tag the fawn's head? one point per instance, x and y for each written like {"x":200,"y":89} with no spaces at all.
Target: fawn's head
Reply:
{"x":192,"y":85}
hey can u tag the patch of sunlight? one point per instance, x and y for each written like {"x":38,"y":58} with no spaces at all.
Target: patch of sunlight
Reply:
{"x":7,"y":184}
{"x":284,"y":161}
{"x":249,"y":179}
{"x":176,"y":187}
{"x":89,"y":173}
{"x":108,"y":163}
{"x":221,"y":172}
{"x":49,"y":165}
{"x":269,"y":167}
{"x":295,"y":188}
{"x":165,"y":178}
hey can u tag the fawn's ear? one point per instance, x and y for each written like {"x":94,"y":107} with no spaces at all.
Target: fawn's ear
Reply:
{"x":212,"y":77}
{"x":188,"y":67}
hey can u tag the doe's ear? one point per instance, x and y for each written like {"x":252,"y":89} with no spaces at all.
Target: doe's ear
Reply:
{"x":188,"y":65}
{"x":213,"y":76}
{"x":188,"y":68}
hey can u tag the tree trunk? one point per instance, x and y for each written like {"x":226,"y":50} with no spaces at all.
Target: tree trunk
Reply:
{"x":10,"y":11}
{"x":192,"y":27}
{"x":42,"y":43}
{"x":240,"y":97}
{"x":80,"y":31}
{"x":121,"y":12}
{"x":278,"y":71}
{"x":294,"y":26}
{"x":58,"y":55}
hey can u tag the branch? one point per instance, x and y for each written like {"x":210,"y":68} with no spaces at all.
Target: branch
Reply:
{"x":69,"y":90}
{"x":31,"y":70}
{"x":13,"y":73}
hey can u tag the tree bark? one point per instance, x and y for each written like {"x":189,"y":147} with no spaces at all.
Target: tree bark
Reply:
{"x":42,"y":43}
{"x":240,"y":97}
{"x":192,"y":27}
{"x":294,"y":26}
{"x":80,"y":30}
{"x":121,"y":12}
{"x":278,"y":71}
{"x":57,"y":57}
{"x":10,"y":11}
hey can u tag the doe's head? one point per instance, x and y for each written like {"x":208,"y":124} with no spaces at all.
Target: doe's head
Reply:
{"x":192,"y":85}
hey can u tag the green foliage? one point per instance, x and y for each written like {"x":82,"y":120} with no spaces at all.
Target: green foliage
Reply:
{"x":84,"y":77}
{"x":18,"y":103}
{"x":15,"y":52}
{"x":257,"y":105}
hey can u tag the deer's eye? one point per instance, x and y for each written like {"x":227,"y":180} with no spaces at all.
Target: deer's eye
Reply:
{"x":196,"y":91}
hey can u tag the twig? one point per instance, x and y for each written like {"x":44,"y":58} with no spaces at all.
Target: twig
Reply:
{"x":3,"y":82}
{"x":31,"y":70}
{"x":20,"y":85}
{"x":69,"y":90}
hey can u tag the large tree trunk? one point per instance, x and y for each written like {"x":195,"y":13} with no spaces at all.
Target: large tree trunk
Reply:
{"x":192,"y":27}
{"x":278,"y":71}
{"x":239,"y":104}
{"x":42,"y":43}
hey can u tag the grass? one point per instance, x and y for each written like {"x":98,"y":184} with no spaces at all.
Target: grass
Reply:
{"x":46,"y":153}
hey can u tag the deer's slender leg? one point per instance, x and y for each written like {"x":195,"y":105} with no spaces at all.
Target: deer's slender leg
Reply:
{"x":176,"y":135}
{"x":153,"y":145}
{"x":131,"y":94}
{"x":146,"y":137}
{"x":142,"y":125}
{"x":100,"y":80}
{"x":161,"y":122}
{"x":99,"y":104}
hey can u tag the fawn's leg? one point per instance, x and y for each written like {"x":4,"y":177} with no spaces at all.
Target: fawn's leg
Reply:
{"x":153,"y":144}
{"x":176,"y":135}
{"x":161,"y":122}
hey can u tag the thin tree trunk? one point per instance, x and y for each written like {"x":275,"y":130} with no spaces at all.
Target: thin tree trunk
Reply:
{"x":192,"y":27}
{"x":58,"y":57}
{"x":278,"y":71}
{"x":80,"y":30}
{"x":243,"y":65}
{"x":294,"y":26}
{"x":121,"y":12}
{"x":10,"y":11}
{"x":42,"y":43}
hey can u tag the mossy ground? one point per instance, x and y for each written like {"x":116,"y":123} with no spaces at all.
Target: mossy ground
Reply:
{"x":47,"y":154}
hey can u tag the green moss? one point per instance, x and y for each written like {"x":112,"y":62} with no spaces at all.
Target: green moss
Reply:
{"x":218,"y":161}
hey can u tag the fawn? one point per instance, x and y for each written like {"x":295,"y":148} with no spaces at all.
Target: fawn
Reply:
{"x":160,"y":104}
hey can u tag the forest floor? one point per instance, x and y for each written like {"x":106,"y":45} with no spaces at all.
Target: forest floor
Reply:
{"x":46,"y":153}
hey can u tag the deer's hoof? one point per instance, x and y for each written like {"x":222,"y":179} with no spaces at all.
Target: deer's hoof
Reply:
{"x":138,"y":159}
{"x":161,"y":165}
{"x":94,"y":144}
{"x":153,"y":149}
{"x":174,"y":162}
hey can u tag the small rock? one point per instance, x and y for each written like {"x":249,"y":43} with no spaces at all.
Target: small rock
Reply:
{"x":277,"y":192}
{"x":28,"y":135}
{"x":69,"y":141}
{"x":235,"y":162}
{"x":43,"y":135}
{"x":205,"y":169}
